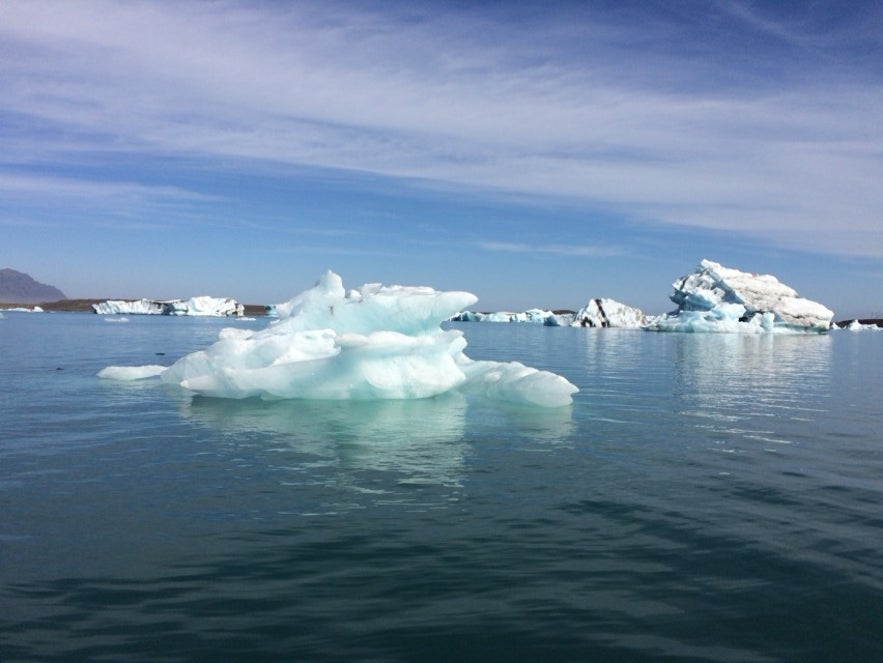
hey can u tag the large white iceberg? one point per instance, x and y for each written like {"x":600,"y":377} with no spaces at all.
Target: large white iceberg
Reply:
{"x":375,"y":342}
{"x":203,"y":305}
{"x":604,"y":312}
{"x":719,"y":299}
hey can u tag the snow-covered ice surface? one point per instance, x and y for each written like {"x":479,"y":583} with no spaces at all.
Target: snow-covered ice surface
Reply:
{"x":604,"y":312}
{"x":375,"y":342}
{"x":203,"y":305}
{"x":719,"y":299}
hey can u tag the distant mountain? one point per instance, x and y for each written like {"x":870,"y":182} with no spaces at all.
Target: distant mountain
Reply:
{"x":20,"y":288}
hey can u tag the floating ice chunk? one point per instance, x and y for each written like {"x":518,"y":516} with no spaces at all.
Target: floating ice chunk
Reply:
{"x":134,"y":307}
{"x":516,"y":383}
{"x":857,"y":325}
{"x":24,"y":309}
{"x":603,"y":312}
{"x":535,"y":315}
{"x":376,"y":342}
{"x":710,"y":298}
{"x":131,"y":373}
{"x":203,"y":305}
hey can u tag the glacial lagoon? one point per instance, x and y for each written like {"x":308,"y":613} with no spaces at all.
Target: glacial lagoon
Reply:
{"x":705,"y":497}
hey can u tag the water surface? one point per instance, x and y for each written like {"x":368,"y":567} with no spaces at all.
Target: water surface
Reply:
{"x":707,"y":497}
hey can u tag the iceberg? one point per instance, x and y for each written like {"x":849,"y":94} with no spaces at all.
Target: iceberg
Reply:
{"x":720,"y":299}
{"x":603,"y":312}
{"x":372,"y":343}
{"x":534,"y":315}
{"x":859,"y":325}
{"x":205,"y":305}
{"x":199,"y":306}
{"x":122,"y":307}
{"x":25,"y":309}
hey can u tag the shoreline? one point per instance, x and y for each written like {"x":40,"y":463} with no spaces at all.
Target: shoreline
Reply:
{"x":85,"y":306}
{"x":252,"y":310}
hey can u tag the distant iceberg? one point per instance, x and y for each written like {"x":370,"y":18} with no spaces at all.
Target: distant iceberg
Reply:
{"x":135,"y":307}
{"x":599,"y":312}
{"x":603,"y":312}
{"x":719,"y":299}
{"x":533,"y":315}
{"x":195,"y":306}
{"x":858,"y":325}
{"x":25,"y":309}
{"x":375,"y":342}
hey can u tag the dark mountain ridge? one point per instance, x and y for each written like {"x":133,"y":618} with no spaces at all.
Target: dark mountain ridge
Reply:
{"x":19,"y":288}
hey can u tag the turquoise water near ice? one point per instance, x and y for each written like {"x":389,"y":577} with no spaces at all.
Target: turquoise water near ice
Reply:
{"x":706,"y":497}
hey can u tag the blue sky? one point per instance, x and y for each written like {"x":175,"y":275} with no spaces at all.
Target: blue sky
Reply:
{"x":536,"y":154}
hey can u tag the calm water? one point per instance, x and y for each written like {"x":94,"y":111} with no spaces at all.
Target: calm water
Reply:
{"x":707,"y":497}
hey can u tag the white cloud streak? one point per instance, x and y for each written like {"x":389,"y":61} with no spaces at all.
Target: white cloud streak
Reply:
{"x":588,"y":251}
{"x":454,"y":99}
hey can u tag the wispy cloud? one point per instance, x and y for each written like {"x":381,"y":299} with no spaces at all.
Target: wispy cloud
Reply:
{"x":11,"y":183}
{"x":558,"y":249}
{"x":100,"y":203}
{"x":582,"y":106}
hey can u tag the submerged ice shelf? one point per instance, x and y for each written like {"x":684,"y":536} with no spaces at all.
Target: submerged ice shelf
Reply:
{"x":374,"y":342}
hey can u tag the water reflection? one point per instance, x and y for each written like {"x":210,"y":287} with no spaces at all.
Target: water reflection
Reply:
{"x":421,"y":439}
{"x":416,"y":441}
{"x":763,"y":388}
{"x":724,"y":369}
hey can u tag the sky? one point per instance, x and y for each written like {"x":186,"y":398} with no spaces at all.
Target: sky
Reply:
{"x":537,"y":154}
